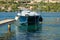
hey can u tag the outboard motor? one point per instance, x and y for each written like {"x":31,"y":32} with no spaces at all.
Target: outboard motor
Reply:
{"x":40,"y":18}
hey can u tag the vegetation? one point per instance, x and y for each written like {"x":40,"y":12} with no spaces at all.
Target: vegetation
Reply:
{"x":50,"y":7}
{"x":14,"y":6}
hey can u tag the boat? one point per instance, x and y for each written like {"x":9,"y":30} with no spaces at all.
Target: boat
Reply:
{"x":29,"y":17}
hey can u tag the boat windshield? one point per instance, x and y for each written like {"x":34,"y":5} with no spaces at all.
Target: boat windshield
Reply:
{"x":23,"y":19}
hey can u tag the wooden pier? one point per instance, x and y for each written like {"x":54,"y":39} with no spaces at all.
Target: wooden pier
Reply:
{"x":6,"y":21}
{"x":9,"y":33}
{"x":9,"y":22}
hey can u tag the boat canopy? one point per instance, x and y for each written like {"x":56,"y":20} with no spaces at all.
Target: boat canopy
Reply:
{"x":27,"y":12}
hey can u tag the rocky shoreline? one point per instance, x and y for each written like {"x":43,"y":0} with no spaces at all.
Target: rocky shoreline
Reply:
{"x":12,"y":6}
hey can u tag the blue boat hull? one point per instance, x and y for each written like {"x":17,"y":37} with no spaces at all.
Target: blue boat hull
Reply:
{"x":31,"y":21}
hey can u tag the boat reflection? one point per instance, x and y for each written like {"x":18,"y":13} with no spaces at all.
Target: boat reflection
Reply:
{"x":28,"y":33}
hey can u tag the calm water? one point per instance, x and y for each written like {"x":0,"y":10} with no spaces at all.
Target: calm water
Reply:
{"x":48,"y":30}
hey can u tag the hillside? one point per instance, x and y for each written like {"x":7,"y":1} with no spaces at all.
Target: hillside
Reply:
{"x":15,"y":5}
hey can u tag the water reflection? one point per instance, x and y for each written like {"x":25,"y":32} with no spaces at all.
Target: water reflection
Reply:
{"x":34,"y":27}
{"x":26,"y":32}
{"x":35,"y":34}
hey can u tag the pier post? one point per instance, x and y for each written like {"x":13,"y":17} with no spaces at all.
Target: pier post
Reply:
{"x":9,"y":28}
